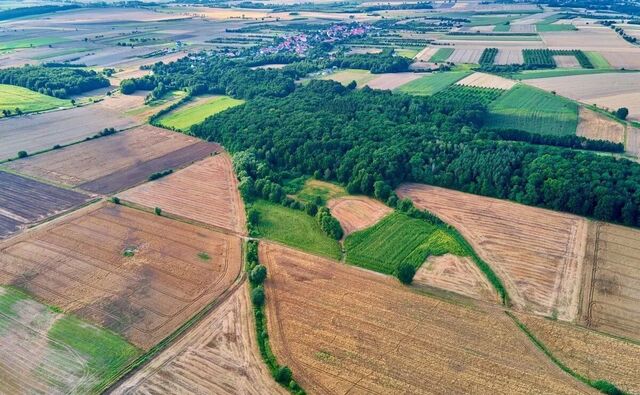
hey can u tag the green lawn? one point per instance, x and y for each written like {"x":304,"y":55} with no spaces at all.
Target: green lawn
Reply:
{"x":104,"y":353}
{"x":441,"y":55}
{"x":432,"y":83}
{"x":534,"y":110}
{"x":30,"y":42}
{"x":12,"y":97}
{"x":294,"y":228}
{"x":398,"y":238}
{"x":197,"y":111}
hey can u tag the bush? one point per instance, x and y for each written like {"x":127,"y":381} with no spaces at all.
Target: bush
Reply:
{"x":283,"y":375}
{"x":160,"y":174}
{"x":257,"y":296}
{"x":158,"y":211}
{"x":606,"y":387}
{"x":115,"y":200}
{"x":253,"y":216}
{"x":22,"y":154}
{"x":405,"y":273}
{"x":622,"y":113}
{"x":258,"y":274}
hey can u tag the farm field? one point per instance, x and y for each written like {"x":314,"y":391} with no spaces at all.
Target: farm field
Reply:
{"x":137,"y":274}
{"x":45,"y":351}
{"x":596,"y":126}
{"x":195,"y":112}
{"x":341,"y":329}
{"x":24,"y":201}
{"x":482,"y":80}
{"x":509,"y":56}
{"x":548,"y":73}
{"x":465,"y":56}
{"x":442,"y":55}
{"x":396,"y":239}
{"x":206,"y":191}
{"x":361,"y":77}
{"x":537,"y":253}
{"x":33,"y":133}
{"x":533,"y":111}
{"x":607,"y":90}
{"x":219,"y":355}
{"x":294,"y":228}
{"x":432,"y":83}
{"x":357,"y":212}
{"x":91,"y":160}
{"x":589,"y":353}
{"x":392,"y":80}
{"x":611,"y":290}
{"x":12,"y":97}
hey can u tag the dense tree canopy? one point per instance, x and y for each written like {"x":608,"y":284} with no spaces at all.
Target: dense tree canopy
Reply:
{"x":60,"y":82}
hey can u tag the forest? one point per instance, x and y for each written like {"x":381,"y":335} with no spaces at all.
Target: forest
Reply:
{"x":60,"y":82}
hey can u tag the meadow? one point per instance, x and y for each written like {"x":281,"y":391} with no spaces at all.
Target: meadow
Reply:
{"x":184,"y":117}
{"x":432,"y":83}
{"x":534,"y":111}
{"x":12,"y":97}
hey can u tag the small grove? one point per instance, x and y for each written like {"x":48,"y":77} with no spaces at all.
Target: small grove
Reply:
{"x":60,"y":82}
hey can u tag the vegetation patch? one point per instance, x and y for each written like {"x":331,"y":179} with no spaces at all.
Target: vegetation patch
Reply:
{"x":535,"y":111}
{"x":317,"y":192}
{"x":184,"y":117}
{"x":470,"y":94}
{"x":432,"y":83}
{"x":15,"y":100}
{"x":441,"y":55}
{"x":60,"y":82}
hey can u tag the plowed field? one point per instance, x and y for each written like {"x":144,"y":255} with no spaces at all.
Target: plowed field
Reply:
{"x":344,"y":330}
{"x":205,"y":191}
{"x":598,"y":127}
{"x":538,"y":253}
{"x":137,"y":274}
{"x":357,"y":212}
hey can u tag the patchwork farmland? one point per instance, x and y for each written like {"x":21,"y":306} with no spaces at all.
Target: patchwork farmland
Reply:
{"x":319,"y":312}
{"x":132,"y":272}
{"x":537,"y":253}
{"x":357,"y":212}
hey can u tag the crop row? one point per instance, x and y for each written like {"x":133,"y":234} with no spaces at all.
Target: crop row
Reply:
{"x":543,"y":58}
{"x":471,"y":95}
{"x":488,"y":56}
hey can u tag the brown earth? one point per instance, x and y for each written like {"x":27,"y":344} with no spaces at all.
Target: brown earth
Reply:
{"x":94,"y":159}
{"x":632,"y":145}
{"x":611,"y":294}
{"x":465,"y":56}
{"x":206,"y":191}
{"x":595,"y":126}
{"x":346,"y":330}
{"x":589,"y":353}
{"x":135,"y":273}
{"x":392,"y":80}
{"x":482,"y":80}
{"x":509,"y":56}
{"x":537,"y":253}
{"x":566,"y":61}
{"x":357,"y":212}
{"x":456,"y":274}
{"x":218,"y":356}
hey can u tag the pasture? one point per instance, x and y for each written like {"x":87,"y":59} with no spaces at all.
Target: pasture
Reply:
{"x":534,"y":111}
{"x":341,"y":329}
{"x":183,"y":117}
{"x":357,"y":212}
{"x":45,"y":351}
{"x":432,"y":83}
{"x":206,"y":192}
{"x":134,"y":273}
{"x":537,"y":253}
{"x":12,"y":97}
{"x":294,"y":228}
{"x":24,"y":201}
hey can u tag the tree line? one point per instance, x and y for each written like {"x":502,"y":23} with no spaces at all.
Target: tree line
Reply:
{"x":60,"y":82}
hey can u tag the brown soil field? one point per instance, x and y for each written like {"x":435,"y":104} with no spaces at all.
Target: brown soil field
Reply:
{"x":218,"y":356}
{"x":595,"y":126}
{"x":623,"y":59}
{"x":566,"y":61}
{"x":37,"y":132}
{"x":392,"y":80}
{"x":132,"y":272}
{"x":357,"y":212}
{"x":482,"y":80}
{"x":589,"y":353}
{"x":465,"y":56}
{"x":94,"y":159}
{"x":537,"y":253}
{"x":346,"y":330}
{"x":24,"y":201}
{"x":509,"y":56}
{"x":206,"y":191}
{"x":587,"y":38}
{"x":611,"y":284}
{"x":632,"y":145}
{"x":140,"y":171}
{"x":456,"y":274}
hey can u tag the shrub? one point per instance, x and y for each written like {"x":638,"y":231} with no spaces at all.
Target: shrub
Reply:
{"x":257,"y":296}
{"x":253,"y":216}
{"x":311,"y":209}
{"x":622,"y":113}
{"x":606,"y":387}
{"x":115,"y":200}
{"x":160,"y":174}
{"x":204,"y":256}
{"x":22,"y":154}
{"x":158,"y":211}
{"x":283,"y":375}
{"x":405,"y":273}
{"x":258,"y":274}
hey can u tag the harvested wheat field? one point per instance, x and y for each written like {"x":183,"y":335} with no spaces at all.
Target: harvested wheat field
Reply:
{"x":627,"y":60}
{"x":589,"y":353}
{"x":456,"y":274}
{"x":218,"y":356}
{"x":135,"y":273}
{"x":482,"y":80}
{"x":392,"y":80}
{"x":357,"y":212}
{"x":347,"y":330}
{"x":537,"y":253}
{"x":82,"y":163}
{"x":426,"y":54}
{"x":587,"y":38}
{"x":632,"y":145}
{"x":611,"y":294}
{"x":566,"y":61}
{"x":595,"y":126}
{"x":509,"y":56}
{"x":206,"y":191}
{"x":465,"y":56}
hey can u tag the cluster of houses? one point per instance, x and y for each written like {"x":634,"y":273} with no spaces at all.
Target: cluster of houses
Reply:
{"x":300,"y":43}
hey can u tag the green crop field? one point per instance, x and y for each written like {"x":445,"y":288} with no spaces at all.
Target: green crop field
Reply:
{"x":30,"y":42}
{"x":432,"y":83}
{"x":483,"y":20}
{"x":407,"y":52}
{"x":532,"y":74}
{"x":12,"y":97}
{"x":361,"y":77}
{"x":471,"y":95}
{"x":398,"y":238}
{"x":597,"y":60}
{"x":186,"y":116}
{"x":294,"y":228}
{"x":502,"y":27}
{"x":441,"y":55}
{"x":534,"y":111}
{"x":73,"y":356}
{"x":546,"y":25}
